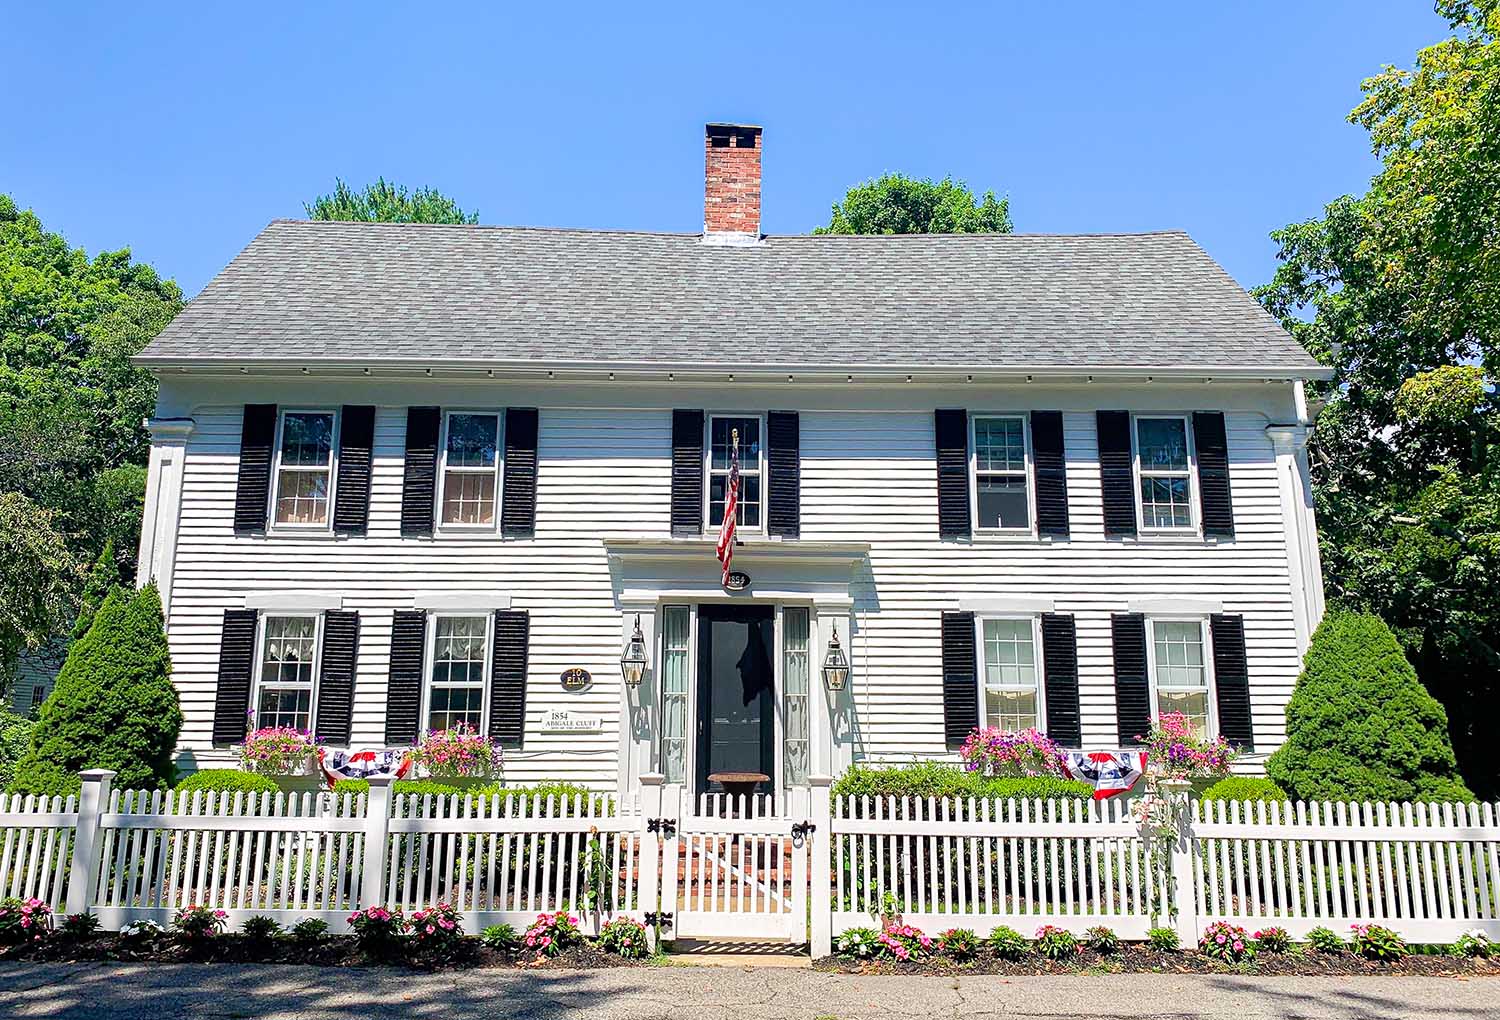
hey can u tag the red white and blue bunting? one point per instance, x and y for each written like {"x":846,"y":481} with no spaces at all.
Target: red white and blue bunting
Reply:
{"x":391,"y":761}
{"x":1109,"y":772}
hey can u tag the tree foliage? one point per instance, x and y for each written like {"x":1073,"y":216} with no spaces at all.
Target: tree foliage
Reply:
{"x":1360,"y":725}
{"x":1399,"y":291}
{"x":37,"y":576}
{"x":384,"y":202}
{"x":896,"y":204}
{"x":114,"y":705}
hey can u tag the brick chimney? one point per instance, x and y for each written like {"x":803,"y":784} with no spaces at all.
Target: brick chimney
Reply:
{"x":731,"y":183}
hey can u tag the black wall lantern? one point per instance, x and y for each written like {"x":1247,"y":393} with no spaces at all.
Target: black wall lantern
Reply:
{"x":633,"y":658}
{"x":835,"y":665}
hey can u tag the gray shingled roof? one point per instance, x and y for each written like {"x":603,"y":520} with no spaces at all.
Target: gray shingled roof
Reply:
{"x":381,"y":293}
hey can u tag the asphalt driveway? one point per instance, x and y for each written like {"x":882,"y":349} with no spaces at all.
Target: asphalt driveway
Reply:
{"x":158,"y":992}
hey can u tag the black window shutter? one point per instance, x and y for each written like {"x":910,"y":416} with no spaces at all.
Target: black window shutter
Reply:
{"x":1116,"y":472}
{"x":1060,"y":662}
{"x":419,"y":485}
{"x":351,"y":498}
{"x":952,"y":431}
{"x":508,"y":676}
{"x":252,"y":494}
{"x":1132,"y":687}
{"x":335,"y":722}
{"x":518,"y":501}
{"x":960,"y":678}
{"x":1232,"y":679}
{"x":1051,"y":473}
{"x":236,"y":660}
{"x":784,"y":459}
{"x":687,"y":472}
{"x":403,"y":698}
{"x":1211,"y":447}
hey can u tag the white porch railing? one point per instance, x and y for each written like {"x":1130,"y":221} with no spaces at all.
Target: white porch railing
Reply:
{"x":810,"y":871}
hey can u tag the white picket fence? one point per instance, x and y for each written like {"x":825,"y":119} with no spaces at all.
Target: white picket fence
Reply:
{"x":804,"y":871}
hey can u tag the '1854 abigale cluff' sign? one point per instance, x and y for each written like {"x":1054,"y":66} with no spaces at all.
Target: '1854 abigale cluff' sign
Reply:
{"x":738,"y":580}
{"x":576,"y":679}
{"x":562,"y":721}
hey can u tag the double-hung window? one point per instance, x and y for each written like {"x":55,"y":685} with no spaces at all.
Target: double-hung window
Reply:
{"x":1001,"y":493}
{"x":1010,"y":679}
{"x":288,"y":664}
{"x":1180,"y":676}
{"x":721,"y":432}
{"x":457,"y":676}
{"x":304,"y":469}
{"x":471,"y":469}
{"x":1165,"y":469}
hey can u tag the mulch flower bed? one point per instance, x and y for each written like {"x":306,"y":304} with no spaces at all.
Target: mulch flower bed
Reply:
{"x":1142,"y":959}
{"x":331,"y":951}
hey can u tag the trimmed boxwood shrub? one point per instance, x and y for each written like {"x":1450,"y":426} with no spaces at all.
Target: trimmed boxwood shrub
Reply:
{"x":936,"y":779}
{"x":15,"y":739}
{"x":226,"y":781}
{"x":1360,"y":725}
{"x":114,"y":706}
{"x":1245,"y":788}
{"x":562,"y":793}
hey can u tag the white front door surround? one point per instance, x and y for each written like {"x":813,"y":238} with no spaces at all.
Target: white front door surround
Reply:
{"x":652,"y":574}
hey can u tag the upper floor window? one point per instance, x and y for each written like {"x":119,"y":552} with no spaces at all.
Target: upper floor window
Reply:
{"x":304,"y":469}
{"x":288,"y":650}
{"x":1011,"y":692}
{"x":1165,"y":470}
{"x":721,"y":431}
{"x":1179,"y":672}
{"x":471,"y":469}
{"x":456,"y":677}
{"x":1001,"y":496}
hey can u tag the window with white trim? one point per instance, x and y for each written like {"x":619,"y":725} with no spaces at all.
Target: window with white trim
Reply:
{"x":304,"y":469}
{"x":1010,"y":687}
{"x":1002,"y":498}
{"x":676,"y":673}
{"x":456,"y":679}
{"x":1180,"y":675}
{"x":471,"y":469}
{"x":796,"y":677}
{"x":285,"y":677}
{"x":721,"y":429}
{"x":1164,"y":466}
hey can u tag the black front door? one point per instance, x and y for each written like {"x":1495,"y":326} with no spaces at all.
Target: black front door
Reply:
{"x":736,"y":725}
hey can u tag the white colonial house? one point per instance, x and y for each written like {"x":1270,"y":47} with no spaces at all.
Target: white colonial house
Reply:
{"x":408,"y":475}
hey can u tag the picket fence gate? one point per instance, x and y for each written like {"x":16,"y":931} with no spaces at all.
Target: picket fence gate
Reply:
{"x":717,"y":866}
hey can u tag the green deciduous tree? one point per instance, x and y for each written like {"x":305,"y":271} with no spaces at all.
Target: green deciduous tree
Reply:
{"x":383,"y":202}
{"x":1399,"y":291}
{"x":1360,"y":725}
{"x":114,"y":705}
{"x":896,"y":204}
{"x":38,"y":574}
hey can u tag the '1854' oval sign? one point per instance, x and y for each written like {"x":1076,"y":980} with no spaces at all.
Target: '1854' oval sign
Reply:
{"x":738,"y":581}
{"x":576,"y":679}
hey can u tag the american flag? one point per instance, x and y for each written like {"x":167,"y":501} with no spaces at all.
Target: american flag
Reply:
{"x":731,"y":507}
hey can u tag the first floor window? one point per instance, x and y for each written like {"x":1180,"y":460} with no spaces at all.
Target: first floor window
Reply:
{"x":1180,"y":671}
{"x":455,"y":692}
{"x":676,"y":626}
{"x":38,"y":695}
{"x":1000,"y":473}
{"x":287,"y":652}
{"x":1011,"y":697}
{"x":1166,"y":481}
{"x":796,"y":682}
{"x":721,"y":445}
{"x":470,"y":469}
{"x":304,"y":472}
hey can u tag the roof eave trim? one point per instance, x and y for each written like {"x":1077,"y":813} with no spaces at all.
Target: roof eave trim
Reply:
{"x":667,"y":371}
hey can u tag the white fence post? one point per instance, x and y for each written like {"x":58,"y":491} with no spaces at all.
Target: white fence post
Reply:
{"x":83,"y":879}
{"x":820,"y":866}
{"x":649,"y":863}
{"x":377,"y":836}
{"x":1184,"y":889}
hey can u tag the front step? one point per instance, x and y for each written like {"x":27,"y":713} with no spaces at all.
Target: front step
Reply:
{"x":738,"y":952}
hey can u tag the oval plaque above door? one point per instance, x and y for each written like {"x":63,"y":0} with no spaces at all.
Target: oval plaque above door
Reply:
{"x":738,"y":580}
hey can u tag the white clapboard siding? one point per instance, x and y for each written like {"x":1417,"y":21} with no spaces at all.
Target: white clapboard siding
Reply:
{"x":867,"y":475}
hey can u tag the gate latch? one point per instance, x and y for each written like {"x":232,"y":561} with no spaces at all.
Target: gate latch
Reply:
{"x":659,"y":918}
{"x":800,"y":832}
{"x":666,"y":828}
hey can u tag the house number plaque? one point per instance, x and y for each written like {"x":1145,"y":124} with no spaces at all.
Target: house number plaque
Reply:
{"x":576,"y":679}
{"x":738,"y":581}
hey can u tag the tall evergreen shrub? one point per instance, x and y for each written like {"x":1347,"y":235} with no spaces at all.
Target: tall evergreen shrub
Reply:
{"x":113,"y":707}
{"x":1360,"y":725}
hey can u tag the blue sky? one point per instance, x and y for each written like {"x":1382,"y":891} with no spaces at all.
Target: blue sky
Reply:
{"x":180,"y":132}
